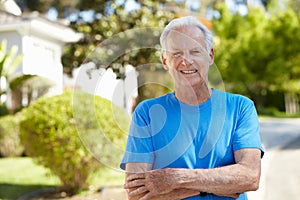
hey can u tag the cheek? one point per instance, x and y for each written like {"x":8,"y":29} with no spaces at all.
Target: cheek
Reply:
{"x":173,"y":63}
{"x":202,"y":62}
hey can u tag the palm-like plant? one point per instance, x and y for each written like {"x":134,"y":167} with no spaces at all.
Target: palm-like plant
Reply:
{"x":10,"y":62}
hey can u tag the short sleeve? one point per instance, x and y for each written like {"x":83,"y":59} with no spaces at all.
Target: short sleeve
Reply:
{"x":246,"y":134}
{"x":139,"y":147}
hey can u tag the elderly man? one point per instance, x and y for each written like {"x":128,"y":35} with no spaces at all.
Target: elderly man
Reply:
{"x":196,"y":142}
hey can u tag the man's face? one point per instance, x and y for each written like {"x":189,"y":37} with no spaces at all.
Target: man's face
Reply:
{"x":187,"y":57}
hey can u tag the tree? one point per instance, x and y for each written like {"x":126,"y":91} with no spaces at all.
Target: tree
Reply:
{"x":107,"y":20}
{"x":43,"y":6}
{"x":255,"y":55}
{"x":120,"y":37}
{"x":275,"y":7}
{"x":295,"y":5}
{"x":117,"y":20}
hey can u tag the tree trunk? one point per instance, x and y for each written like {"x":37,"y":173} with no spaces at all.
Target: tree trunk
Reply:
{"x":16,"y":100}
{"x":291,"y":103}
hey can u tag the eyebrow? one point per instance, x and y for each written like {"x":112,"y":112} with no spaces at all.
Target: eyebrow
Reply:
{"x":195,"y":48}
{"x":198,"y":48}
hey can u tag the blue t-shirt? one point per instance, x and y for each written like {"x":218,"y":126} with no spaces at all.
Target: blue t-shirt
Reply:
{"x":170,"y":134}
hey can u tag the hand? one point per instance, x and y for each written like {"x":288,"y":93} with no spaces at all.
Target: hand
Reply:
{"x":153,"y":183}
{"x":135,"y":184}
{"x":161,"y":181}
{"x":156,"y":185}
{"x":135,"y":197}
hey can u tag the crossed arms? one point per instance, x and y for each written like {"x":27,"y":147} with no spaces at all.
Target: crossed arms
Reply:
{"x":143,"y":183}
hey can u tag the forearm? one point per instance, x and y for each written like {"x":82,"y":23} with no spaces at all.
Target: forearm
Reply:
{"x":139,"y":192}
{"x":224,"y":180}
{"x":237,"y":178}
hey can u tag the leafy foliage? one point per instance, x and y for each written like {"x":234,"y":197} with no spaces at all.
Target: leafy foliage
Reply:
{"x":257,"y":54}
{"x":120,"y":37}
{"x":119,"y":20}
{"x":10,"y":144}
{"x":53,"y":135}
{"x":10,"y":62}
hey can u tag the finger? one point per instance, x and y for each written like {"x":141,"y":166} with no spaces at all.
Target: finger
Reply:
{"x":138,"y":191}
{"x":133,"y":176}
{"x":148,"y":196}
{"x":134,"y":183}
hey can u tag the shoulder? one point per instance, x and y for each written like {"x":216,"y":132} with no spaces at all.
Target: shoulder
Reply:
{"x":236,"y":102}
{"x":235,"y":99}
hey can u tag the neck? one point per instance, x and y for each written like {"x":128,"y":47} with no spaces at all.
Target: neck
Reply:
{"x":193,"y":96}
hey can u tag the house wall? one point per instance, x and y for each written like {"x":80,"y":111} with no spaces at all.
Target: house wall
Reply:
{"x":43,"y":58}
{"x":40,"y":57}
{"x":41,"y":43}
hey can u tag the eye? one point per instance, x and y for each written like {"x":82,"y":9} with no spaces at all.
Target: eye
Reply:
{"x":196,"y":52}
{"x":177,"y":54}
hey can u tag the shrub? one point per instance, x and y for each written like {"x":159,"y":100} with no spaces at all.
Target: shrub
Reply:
{"x":50,"y":130}
{"x":10,"y":144}
{"x":3,"y":110}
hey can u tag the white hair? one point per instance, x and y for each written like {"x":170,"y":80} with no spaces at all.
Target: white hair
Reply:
{"x":184,"y":22}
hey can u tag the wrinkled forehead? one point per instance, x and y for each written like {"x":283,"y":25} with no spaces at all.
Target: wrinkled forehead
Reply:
{"x":187,"y":37}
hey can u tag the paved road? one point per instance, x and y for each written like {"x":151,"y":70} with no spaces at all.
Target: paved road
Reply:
{"x":281,"y":163}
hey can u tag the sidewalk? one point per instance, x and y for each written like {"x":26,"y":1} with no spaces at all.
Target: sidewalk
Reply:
{"x":280,"y":178}
{"x":283,"y":173}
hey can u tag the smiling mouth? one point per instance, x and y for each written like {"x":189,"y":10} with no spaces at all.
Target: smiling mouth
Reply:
{"x":189,"y":71}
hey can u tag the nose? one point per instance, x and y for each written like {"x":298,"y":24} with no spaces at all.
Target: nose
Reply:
{"x":187,"y":59}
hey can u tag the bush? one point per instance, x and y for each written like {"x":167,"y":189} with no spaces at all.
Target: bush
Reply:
{"x":10,"y":145}
{"x":269,"y":111}
{"x":3,"y":110}
{"x":50,"y":130}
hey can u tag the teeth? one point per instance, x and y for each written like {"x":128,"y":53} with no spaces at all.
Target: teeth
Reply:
{"x":188,"y":71}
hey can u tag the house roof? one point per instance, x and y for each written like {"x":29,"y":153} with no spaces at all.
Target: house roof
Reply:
{"x":36,"y":24}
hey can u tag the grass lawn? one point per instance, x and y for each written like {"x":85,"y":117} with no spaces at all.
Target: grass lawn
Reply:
{"x":19,"y":176}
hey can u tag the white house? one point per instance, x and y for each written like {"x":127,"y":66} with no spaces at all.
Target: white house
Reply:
{"x":103,"y":82}
{"x":41,"y":42}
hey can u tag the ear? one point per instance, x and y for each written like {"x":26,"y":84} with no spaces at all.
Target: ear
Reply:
{"x":164,"y":61}
{"x":212,"y":56}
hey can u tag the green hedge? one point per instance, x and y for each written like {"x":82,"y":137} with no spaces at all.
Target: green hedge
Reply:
{"x":10,"y":145}
{"x":71,"y":133}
